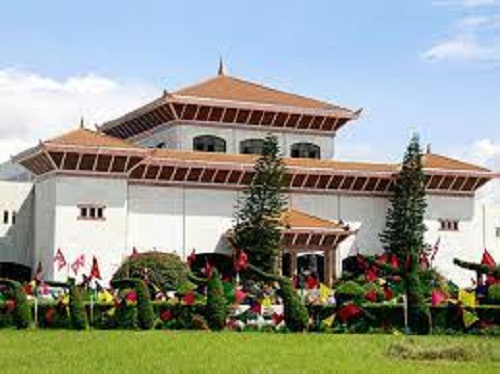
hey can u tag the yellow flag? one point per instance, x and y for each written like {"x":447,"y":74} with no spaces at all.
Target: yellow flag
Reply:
{"x":467,"y":298}
{"x":266,"y":302}
{"x":105,"y":297}
{"x":469,"y":318}
{"x":324,"y":292}
{"x":329,"y":321}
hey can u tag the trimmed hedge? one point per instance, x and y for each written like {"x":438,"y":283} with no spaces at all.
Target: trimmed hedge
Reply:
{"x":78,"y":316}
{"x":217,"y":308}
{"x":21,"y":316}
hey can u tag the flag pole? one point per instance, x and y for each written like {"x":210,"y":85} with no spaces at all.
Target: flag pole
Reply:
{"x":405,"y":308}
{"x":35,"y":317}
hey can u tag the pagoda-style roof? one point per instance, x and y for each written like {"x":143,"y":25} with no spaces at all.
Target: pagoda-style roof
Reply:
{"x":86,"y":152}
{"x":224,"y":87}
{"x":228,"y":101}
{"x":83,"y":137}
{"x":434,"y":161}
{"x":309,"y":232}
{"x":296,"y":219}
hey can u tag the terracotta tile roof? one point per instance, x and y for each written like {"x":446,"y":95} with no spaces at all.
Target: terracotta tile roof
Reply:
{"x":224,"y":87}
{"x":290,"y":162}
{"x":297,"y":219}
{"x":434,"y":161}
{"x":88,"y":138}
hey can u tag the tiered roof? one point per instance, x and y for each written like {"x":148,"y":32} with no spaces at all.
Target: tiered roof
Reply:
{"x":228,"y":101}
{"x":86,"y":152}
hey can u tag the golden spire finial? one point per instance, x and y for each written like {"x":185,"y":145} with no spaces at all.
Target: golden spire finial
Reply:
{"x":221,"y":70}
{"x":82,"y":123}
{"x":429,"y":150}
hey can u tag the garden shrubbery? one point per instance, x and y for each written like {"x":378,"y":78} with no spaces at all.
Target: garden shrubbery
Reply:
{"x":165,"y":270}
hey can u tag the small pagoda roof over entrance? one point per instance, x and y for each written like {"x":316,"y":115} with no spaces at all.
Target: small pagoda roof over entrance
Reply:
{"x":308,"y":232}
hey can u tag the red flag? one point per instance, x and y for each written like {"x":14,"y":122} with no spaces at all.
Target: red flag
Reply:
{"x":191,"y":258}
{"x":94,"y":272}
{"x":208,"y":269}
{"x":38,"y":272}
{"x":79,"y":262}
{"x":487,"y":259}
{"x":60,"y":260}
{"x":241,"y":260}
{"x":435,"y":249}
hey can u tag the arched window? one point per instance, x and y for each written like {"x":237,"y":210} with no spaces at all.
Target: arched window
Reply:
{"x":305,"y":150}
{"x":209,"y":143}
{"x":252,"y":146}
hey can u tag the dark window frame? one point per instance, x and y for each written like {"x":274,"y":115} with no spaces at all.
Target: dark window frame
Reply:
{"x":305,"y":150}
{"x":253,"y":146}
{"x":209,"y":143}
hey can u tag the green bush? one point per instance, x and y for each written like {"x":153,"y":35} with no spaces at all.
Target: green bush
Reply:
{"x":78,"y":315}
{"x":166,"y":270}
{"x":217,"y":308}
{"x":21,"y":314}
{"x":296,"y":314}
{"x":494,"y":294}
{"x":145,"y":312}
{"x":348,"y":291}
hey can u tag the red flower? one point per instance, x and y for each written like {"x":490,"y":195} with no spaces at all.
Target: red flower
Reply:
{"x":10,"y":305}
{"x":388,"y":293}
{"x":348,"y":312}
{"x":49,"y":315}
{"x":371,"y":296}
{"x":131,"y":297}
{"x":277,"y":318}
{"x":166,"y":315}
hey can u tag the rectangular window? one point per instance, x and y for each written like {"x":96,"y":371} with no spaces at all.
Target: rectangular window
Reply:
{"x":13,"y":218}
{"x":6,"y":217}
{"x":449,"y":225}
{"x":91,"y":212}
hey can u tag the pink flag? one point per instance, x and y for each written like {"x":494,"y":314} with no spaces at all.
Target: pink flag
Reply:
{"x":60,"y":260}
{"x":437,"y":297}
{"x":79,"y":263}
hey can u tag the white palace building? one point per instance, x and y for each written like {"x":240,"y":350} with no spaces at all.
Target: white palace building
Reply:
{"x":167,"y":175}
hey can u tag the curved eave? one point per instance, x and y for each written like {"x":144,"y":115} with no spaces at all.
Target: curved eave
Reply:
{"x":171,"y":107}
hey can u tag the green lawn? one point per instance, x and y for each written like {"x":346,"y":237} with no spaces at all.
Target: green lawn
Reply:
{"x":45,"y":351}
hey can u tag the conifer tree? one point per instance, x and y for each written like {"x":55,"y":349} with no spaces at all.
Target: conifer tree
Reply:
{"x":259,"y":211}
{"x":404,"y":233}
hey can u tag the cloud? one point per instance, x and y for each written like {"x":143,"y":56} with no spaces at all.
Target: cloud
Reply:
{"x":472,"y":38}
{"x":486,"y":152}
{"x":34,"y":106}
{"x":467,"y":3}
{"x":465,"y":49}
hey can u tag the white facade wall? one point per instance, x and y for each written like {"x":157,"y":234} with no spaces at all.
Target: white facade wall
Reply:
{"x":106,"y":239}
{"x":178,"y":219}
{"x":16,"y":200}
{"x":181,"y":136}
{"x":170,"y":219}
{"x":45,"y":228}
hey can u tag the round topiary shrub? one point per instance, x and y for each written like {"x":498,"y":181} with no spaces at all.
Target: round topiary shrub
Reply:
{"x":494,"y":294}
{"x":165,"y":270}
{"x":78,"y":316}
{"x":216,"y":309}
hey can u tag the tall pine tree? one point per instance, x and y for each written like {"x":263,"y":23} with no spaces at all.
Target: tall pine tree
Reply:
{"x":404,"y":232}
{"x":260,"y":208}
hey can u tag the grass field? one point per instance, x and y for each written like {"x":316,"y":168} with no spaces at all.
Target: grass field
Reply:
{"x":204,"y":352}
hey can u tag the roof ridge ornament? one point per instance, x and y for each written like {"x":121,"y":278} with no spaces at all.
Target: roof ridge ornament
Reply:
{"x":82,"y":123}
{"x":221,"y":71}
